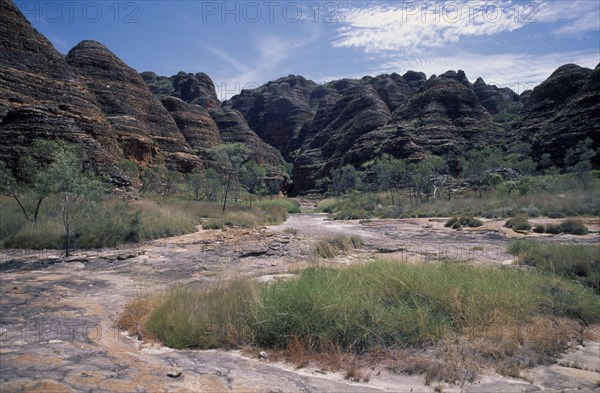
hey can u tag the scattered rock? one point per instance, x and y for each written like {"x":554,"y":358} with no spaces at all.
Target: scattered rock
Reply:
{"x":175,"y":372}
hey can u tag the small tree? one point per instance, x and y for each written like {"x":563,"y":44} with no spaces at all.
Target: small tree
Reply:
{"x":252,"y":177}
{"x":385,"y":175}
{"x":232,"y":156}
{"x":344,"y":179}
{"x":10,"y":187}
{"x":76,"y":190}
{"x":477,"y":162}
{"x":579,"y":161}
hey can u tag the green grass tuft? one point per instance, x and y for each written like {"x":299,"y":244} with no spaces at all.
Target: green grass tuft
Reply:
{"x":577,"y":262}
{"x":355,"y":308}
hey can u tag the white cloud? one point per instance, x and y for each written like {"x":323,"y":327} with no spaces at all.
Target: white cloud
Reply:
{"x":414,"y":26}
{"x":519,"y":71}
{"x":573,"y":17}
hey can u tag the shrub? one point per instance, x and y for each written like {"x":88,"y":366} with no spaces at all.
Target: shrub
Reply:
{"x":213,"y":223}
{"x":327,"y":205}
{"x":274,"y":214}
{"x":556,"y":214}
{"x":451,"y":222}
{"x":574,"y":227}
{"x":456,"y":222}
{"x":518,"y":224}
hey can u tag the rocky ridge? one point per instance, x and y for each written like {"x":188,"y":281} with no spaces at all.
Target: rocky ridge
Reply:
{"x":93,"y":98}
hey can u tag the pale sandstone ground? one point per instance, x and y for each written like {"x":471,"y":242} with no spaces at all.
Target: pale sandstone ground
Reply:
{"x":57,"y":316}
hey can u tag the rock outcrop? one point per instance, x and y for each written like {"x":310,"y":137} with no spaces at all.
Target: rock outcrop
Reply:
{"x":233,"y":128}
{"x":41,"y":97}
{"x":93,"y":98}
{"x":496,"y":100}
{"x":561,"y":112}
{"x":196,"y":125}
{"x":144,"y":128}
{"x":278,"y":110}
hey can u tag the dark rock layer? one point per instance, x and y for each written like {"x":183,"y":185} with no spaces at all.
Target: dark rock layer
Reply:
{"x":144,"y":128}
{"x":42,"y":98}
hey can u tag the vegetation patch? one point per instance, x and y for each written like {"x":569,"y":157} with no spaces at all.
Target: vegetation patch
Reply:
{"x":518,"y":224}
{"x":452,"y":315}
{"x":576,"y":262}
{"x":334,"y":246}
{"x":575,"y":227}
{"x":456,"y":222}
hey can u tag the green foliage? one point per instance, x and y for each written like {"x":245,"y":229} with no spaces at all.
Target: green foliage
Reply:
{"x":252,"y":178}
{"x":383,"y":304}
{"x":289,"y":205}
{"x":129,"y":168}
{"x":577,"y":262}
{"x":344,"y":179}
{"x":387,"y":304}
{"x":356,"y":206}
{"x":456,"y":222}
{"x":575,"y":227}
{"x":579,"y":161}
{"x":519,"y":223}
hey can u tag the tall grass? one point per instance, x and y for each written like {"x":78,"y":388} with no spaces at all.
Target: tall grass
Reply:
{"x":289,"y":205}
{"x":568,"y":201}
{"x":577,"y":262}
{"x":334,"y":246}
{"x":194,"y":317}
{"x":383,"y":304}
{"x":390,"y":304}
{"x":112,"y":222}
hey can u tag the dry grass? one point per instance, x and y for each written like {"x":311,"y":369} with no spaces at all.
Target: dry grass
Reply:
{"x":334,"y":246}
{"x":136,"y":313}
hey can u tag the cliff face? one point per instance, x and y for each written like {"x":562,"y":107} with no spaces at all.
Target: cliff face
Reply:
{"x":192,"y":101}
{"x":41,"y":97}
{"x":354,"y":121}
{"x":562,"y":111}
{"x":144,"y":128}
{"x":93,"y":98}
{"x":278,"y":110}
{"x":320,"y":128}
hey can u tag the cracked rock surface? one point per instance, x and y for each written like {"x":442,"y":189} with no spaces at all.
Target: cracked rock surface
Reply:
{"x":57,"y":315}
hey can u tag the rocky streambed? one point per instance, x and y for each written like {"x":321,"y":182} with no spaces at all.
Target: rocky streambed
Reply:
{"x":57,"y":315}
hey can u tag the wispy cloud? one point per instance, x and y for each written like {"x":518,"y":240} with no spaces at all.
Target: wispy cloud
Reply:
{"x":571,"y":17}
{"x":416,"y":26}
{"x":519,"y":71}
{"x":269,"y":51}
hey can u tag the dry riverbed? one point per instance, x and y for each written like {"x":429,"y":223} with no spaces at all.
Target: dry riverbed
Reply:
{"x":57,"y":315}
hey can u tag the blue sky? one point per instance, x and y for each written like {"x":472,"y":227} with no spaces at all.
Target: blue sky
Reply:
{"x":243,"y":44}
